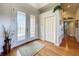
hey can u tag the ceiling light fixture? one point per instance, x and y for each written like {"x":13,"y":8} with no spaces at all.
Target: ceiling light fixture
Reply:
{"x":68,"y":6}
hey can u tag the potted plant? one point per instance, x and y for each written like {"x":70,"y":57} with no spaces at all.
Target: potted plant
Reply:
{"x":7,"y":41}
{"x":58,"y":7}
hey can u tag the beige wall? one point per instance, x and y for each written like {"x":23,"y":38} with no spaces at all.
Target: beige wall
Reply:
{"x":68,"y":14}
{"x":71,"y":28}
{"x":77,"y":14}
{"x":77,"y":29}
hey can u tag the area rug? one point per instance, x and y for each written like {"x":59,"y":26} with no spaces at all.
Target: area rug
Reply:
{"x":30,"y":49}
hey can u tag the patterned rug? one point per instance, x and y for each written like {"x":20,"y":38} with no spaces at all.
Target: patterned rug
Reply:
{"x":30,"y":49}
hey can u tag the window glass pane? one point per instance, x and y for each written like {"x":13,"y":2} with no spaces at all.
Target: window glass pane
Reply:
{"x":21,"y":25}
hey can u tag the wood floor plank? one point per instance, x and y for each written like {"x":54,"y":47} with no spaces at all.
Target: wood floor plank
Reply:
{"x":68,"y":47}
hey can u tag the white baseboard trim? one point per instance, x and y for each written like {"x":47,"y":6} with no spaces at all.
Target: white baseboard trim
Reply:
{"x":18,"y":53}
{"x":20,"y":43}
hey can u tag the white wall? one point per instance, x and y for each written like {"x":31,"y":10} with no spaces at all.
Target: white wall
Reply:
{"x":4,"y":20}
{"x":57,"y":27}
{"x":8,"y":19}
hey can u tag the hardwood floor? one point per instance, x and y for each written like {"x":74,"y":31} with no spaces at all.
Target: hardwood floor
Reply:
{"x":68,"y":47}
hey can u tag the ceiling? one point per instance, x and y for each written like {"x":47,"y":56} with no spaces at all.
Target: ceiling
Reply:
{"x":72,"y":7}
{"x":69,"y":9}
{"x":38,"y":5}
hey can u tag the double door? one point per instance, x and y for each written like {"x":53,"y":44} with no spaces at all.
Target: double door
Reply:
{"x":47,"y":25}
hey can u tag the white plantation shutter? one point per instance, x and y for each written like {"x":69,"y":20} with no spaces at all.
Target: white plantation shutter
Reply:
{"x":32,"y":26}
{"x":21,"y":25}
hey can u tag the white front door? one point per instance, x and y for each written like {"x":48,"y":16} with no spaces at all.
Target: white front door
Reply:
{"x":49,"y":28}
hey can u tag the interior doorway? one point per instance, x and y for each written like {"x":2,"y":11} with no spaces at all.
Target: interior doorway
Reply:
{"x":69,"y":28}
